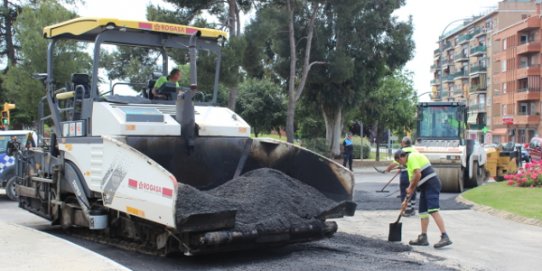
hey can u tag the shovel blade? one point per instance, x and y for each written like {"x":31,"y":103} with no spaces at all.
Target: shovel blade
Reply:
{"x":395,"y":232}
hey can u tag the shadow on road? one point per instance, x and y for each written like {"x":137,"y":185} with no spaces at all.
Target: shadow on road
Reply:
{"x":342,"y":252}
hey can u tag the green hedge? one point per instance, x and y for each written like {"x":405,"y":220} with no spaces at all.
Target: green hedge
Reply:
{"x":358,"y":143}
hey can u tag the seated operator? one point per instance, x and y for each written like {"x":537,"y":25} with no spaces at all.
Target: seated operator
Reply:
{"x":173,"y":77}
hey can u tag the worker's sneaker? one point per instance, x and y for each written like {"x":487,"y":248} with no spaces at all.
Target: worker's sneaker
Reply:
{"x":444,"y":241}
{"x":409,"y":212}
{"x":421,"y":241}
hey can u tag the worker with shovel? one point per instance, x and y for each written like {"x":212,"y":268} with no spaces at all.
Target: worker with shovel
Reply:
{"x":406,"y":146}
{"x":424,"y":178}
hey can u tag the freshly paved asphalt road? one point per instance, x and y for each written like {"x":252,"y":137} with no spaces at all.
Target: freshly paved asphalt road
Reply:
{"x":481,"y":241}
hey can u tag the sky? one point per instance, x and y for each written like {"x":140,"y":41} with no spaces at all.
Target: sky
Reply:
{"x":430,"y":18}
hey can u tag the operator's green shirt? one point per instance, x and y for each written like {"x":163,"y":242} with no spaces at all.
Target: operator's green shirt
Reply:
{"x":161,"y":80}
{"x":416,"y":161}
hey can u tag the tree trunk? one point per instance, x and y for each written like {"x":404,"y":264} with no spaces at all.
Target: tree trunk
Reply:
{"x":232,"y":98}
{"x":234,"y":28}
{"x":294,"y":92}
{"x":333,"y":122}
{"x":377,"y":157}
{"x":8,"y":34}
{"x":237,"y":19}
{"x":231,"y":17}
{"x":290,"y":114}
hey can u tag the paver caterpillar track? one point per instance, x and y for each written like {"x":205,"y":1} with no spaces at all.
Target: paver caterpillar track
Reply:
{"x":161,"y":173}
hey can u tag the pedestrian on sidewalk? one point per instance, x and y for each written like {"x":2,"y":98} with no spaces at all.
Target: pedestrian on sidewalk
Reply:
{"x":348,"y":151}
{"x":406,"y":146}
{"x":424,"y":178}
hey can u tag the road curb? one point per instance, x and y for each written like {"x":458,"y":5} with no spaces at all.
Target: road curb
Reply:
{"x":500,"y":213}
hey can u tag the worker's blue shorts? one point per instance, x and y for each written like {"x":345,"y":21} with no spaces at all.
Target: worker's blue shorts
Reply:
{"x":429,"y":197}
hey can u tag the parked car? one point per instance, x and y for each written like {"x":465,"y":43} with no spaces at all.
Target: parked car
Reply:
{"x":535,"y":148}
{"x":7,"y":163}
{"x":525,"y":156}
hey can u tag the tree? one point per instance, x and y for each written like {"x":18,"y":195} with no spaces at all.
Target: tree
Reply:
{"x":228,"y":15}
{"x":392,"y":105}
{"x":279,"y":44}
{"x":132,"y":64}
{"x":8,"y":14}
{"x":295,"y":85}
{"x":361,"y":42}
{"x":262,"y":104}
{"x":21,"y":88}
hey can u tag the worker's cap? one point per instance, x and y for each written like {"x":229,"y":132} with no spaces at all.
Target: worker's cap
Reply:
{"x":407,"y":141}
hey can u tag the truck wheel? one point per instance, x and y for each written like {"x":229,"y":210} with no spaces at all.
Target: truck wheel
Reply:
{"x":478,"y":175}
{"x":10,"y":189}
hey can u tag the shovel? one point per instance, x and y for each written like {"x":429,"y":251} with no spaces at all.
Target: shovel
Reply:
{"x":395,"y":227}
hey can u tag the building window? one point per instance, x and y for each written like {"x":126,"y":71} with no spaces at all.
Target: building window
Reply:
{"x":503,"y":87}
{"x":503,"y":65}
{"x":523,"y":109}
{"x":521,"y":136}
{"x":503,"y":110}
{"x":530,"y":135}
{"x":504,"y":44}
{"x":524,"y":38}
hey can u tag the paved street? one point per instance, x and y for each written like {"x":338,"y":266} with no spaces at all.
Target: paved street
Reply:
{"x":481,"y":241}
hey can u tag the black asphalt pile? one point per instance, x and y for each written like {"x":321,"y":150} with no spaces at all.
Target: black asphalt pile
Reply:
{"x":265,"y":199}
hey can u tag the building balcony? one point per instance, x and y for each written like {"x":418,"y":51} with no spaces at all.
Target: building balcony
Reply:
{"x":444,"y":94}
{"x":435,"y":82}
{"x":433,"y":68}
{"x":477,"y":69}
{"x":524,"y":71}
{"x":447,"y":46}
{"x":529,"y":23}
{"x":527,"y":94}
{"x":464,"y":39}
{"x":436,"y":53}
{"x":478,"y":32}
{"x":476,"y":126}
{"x":461,"y":57}
{"x":448,"y":78}
{"x":478,"y":50}
{"x":528,"y":47}
{"x":477,"y":88}
{"x":524,"y":119}
{"x":457,"y":91}
{"x":461,"y":75}
{"x":477,"y":108}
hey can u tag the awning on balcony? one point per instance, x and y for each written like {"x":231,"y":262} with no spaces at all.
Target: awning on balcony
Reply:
{"x":472,"y":118}
{"x":499,"y":131}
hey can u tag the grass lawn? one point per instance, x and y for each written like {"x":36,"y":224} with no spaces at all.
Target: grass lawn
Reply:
{"x":518,"y":200}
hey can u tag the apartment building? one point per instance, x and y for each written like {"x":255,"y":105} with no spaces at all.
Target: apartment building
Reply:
{"x":516,"y":98}
{"x":464,"y":65}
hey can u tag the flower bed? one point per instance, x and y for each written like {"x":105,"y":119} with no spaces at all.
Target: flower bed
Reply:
{"x":530,"y":176}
